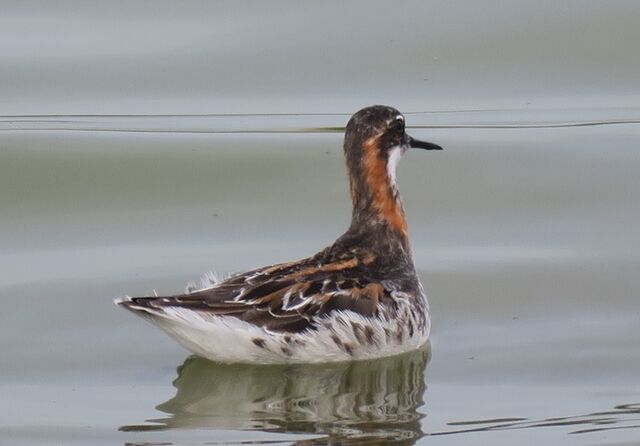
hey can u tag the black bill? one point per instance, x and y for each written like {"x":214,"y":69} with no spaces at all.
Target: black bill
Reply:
{"x":417,"y":144}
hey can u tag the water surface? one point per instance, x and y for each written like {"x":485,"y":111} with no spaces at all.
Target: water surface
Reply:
{"x":145,"y":145}
{"x":525,"y":239}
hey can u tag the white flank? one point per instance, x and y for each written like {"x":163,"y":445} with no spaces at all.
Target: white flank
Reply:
{"x":228,"y":339}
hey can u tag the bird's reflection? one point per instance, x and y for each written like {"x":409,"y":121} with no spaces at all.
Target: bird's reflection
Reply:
{"x":372,"y":400}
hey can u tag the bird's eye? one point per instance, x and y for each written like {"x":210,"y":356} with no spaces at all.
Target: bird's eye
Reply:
{"x":397,"y":125}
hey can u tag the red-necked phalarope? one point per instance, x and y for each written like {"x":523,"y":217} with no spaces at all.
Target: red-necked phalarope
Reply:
{"x":358,"y":298}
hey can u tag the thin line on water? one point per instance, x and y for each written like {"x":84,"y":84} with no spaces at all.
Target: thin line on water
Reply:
{"x":528,"y":126}
{"x":317,"y":129}
{"x":324,"y":129}
{"x":97,"y":130}
{"x":170,"y":115}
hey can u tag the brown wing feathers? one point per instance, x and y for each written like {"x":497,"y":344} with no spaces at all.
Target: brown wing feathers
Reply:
{"x":284,"y":297}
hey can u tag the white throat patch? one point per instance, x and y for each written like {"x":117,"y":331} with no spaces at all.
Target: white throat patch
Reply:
{"x":394,"y":157}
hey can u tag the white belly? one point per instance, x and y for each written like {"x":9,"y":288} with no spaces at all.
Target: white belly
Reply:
{"x":343,"y":336}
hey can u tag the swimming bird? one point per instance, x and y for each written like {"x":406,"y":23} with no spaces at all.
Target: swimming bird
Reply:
{"x":359,"y":298}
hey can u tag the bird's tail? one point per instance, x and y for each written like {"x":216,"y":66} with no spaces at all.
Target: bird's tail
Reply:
{"x":142,"y":306}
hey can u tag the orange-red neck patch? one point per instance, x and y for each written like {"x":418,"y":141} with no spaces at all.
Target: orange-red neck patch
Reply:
{"x":377,"y":179}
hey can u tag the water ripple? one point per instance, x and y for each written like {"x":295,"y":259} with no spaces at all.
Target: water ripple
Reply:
{"x":233,"y":123}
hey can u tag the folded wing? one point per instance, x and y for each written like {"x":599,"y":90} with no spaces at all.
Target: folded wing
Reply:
{"x":289,"y":297}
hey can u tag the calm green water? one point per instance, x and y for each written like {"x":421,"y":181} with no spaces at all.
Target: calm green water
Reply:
{"x":525,"y":238}
{"x":142,"y":146}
